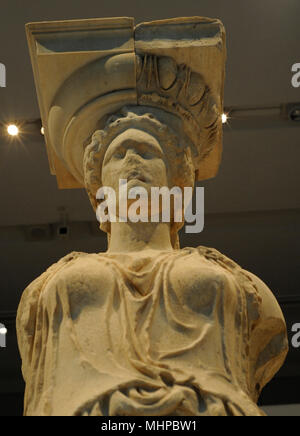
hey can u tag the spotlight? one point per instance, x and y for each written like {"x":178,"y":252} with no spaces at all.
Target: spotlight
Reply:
{"x":3,"y":331}
{"x":224,"y":118}
{"x":12,"y":130}
{"x":295,"y":114}
{"x":42,"y":131}
{"x":291,"y":111}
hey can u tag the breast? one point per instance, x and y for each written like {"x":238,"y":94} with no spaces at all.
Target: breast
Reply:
{"x":199,"y":284}
{"x":83,"y":283}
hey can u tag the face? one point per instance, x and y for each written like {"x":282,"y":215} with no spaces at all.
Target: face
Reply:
{"x":136,"y":156}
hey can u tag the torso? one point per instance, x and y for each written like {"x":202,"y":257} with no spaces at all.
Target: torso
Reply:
{"x":166,"y":311}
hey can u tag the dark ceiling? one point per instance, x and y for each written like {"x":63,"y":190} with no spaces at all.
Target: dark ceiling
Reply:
{"x":252,"y":207}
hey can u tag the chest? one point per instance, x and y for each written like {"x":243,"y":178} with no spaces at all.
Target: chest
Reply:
{"x":187,"y":282}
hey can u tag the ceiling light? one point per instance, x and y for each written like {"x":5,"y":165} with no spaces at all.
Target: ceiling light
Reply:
{"x":291,"y":111}
{"x":12,"y":130}
{"x":224,"y":118}
{"x":3,"y":331}
{"x":295,"y":114}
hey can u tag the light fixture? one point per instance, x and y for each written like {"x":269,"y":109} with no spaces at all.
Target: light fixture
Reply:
{"x":13,"y":130}
{"x":294,"y":113}
{"x":42,"y":130}
{"x":3,"y":331}
{"x":224,"y":118}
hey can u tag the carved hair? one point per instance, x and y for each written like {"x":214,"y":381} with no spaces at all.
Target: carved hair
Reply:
{"x":179,"y":90}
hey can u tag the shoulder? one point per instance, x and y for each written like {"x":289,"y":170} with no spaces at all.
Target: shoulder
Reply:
{"x":254,"y":286}
{"x":269,"y":305}
{"x":27,"y":312}
{"x":67,"y":259}
{"x":33,"y":290}
{"x":52,"y":269}
{"x":214,"y":254}
{"x":268,"y":342}
{"x":218,"y":258}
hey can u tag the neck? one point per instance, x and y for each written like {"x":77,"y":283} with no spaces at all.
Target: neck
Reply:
{"x":130,"y":237}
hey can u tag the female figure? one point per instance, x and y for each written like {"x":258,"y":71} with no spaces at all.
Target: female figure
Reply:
{"x":147,"y":328}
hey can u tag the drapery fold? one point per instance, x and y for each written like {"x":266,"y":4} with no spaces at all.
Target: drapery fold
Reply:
{"x":170,"y":335}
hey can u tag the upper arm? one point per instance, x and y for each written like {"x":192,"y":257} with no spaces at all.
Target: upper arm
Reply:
{"x":269,"y":305}
{"x":27,"y":313}
{"x":268,"y":340}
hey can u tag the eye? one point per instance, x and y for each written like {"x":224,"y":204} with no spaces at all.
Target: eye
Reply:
{"x":119,"y":154}
{"x":146,"y":155}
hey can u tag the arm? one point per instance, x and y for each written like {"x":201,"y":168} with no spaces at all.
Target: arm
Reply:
{"x":268,"y":340}
{"x":27,"y":322}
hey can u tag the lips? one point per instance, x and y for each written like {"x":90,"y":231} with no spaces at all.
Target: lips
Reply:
{"x":136,"y":176}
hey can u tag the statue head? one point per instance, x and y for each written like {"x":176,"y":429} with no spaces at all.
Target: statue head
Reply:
{"x":143,"y":145}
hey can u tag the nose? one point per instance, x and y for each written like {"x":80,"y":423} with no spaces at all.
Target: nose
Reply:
{"x":133,"y":155}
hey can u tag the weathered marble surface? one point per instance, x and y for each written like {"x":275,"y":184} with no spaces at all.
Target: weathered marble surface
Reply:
{"x":179,"y":61}
{"x":182,"y":332}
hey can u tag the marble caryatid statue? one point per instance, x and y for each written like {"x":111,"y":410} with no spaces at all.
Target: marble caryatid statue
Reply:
{"x":145,"y":328}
